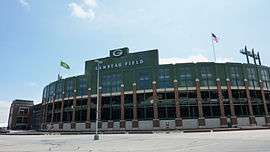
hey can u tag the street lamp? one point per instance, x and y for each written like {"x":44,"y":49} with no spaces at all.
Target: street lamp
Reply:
{"x":96,"y":137}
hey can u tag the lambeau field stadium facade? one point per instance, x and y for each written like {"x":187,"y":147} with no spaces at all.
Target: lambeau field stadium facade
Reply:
{"x":138,"y":93}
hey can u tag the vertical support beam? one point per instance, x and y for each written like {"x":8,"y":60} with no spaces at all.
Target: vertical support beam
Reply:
{"x":246,"y":53}
{"x":232,"y":109}
{"x":252,"y":119}
{"x":122,"y":108}
{"x":73,"y":123}
{"x":178,"y":119}
{"x":201,"y":119}
{"x":267,"y":117}
{"x":88,"y":121}
{"x":259,"y":58}
{"x":223,"y":118}
{"x":62,"y":110}
{"x":135,"y":123}
{"x":156,"y":123}
{"x":254,"y":56}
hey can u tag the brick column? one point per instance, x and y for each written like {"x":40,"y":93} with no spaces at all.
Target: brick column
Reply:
{"x":53,"y":107}
{"x":122,"y":108}
{"x":62,"y":111}
{"x":135,"y":123}
{"x":233,"y":116}
{"x":223,"y":118}
{"x":267,"y":116}
{"x":73,"y":123}
{"x":178,"y":119}
{"x":201,"y":120}
{"x":156,"y":123}
{"x":252,"y":119}
{"x":88,"y":122}
{"x":46,"y":113}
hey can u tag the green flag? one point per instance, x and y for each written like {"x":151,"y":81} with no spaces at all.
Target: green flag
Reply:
{"x":64,"y":65}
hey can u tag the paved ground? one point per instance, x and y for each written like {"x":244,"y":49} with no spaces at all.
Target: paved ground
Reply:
{"x":234,"y":141}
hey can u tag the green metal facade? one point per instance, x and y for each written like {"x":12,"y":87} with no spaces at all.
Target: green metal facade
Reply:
{"x":129,"y":67}
{"x":136,"y":88}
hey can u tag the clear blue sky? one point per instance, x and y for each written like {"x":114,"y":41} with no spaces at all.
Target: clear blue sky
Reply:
{"x":36,"y":34}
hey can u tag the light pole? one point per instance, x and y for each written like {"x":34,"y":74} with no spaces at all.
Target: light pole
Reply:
{"x":96,"y":137}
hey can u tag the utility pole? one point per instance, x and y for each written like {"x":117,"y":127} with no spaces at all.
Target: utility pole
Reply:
{"x":96,"y":137}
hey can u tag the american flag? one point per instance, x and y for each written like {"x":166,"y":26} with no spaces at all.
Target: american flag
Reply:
{"x":215,"y":38}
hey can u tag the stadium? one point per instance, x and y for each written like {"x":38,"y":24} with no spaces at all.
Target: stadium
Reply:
{"x":138,"y":93}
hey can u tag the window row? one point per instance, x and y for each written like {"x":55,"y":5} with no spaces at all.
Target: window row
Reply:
{"x":186,"y":78}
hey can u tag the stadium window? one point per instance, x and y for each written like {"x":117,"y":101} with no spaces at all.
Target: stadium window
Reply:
{"x":52,"y":91}
{"x":194,"y":111}
{"x":69,"y":88}
{"x":116,"y":113}
{"x":162,"y":112}
{"x":105,"y":113}
{"x":144,"y":80}
{"x":215,"y":110}
{"x":116,"y":82}
{"x":116,"y":100}
{"x":206,"y":77}
{"x":252,"y":77}
{"x":128,"y":99}
{"x":235,"y":76}
{"x":59,"y":88}
{"x":164,"y":78}
{"x":140,"y":98}
{"x":185,"y":77}
{"x":82,"y":86}
{"x":171,"y":112}
{"x":141,"y":113}
{"x":93,"y":114}
{"x":265,"y":77}
{"x":111,"y":83}
{"x":106,"y":83}
{"x":128,"y":112}
{"x":205,"y":95}
{"x":149,"y":113}
{"x":46,"y":93}
{"x":185,"y":112}
{"x":207,"y":111}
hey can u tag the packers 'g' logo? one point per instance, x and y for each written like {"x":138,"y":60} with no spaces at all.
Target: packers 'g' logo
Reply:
{"x":117,"y":53}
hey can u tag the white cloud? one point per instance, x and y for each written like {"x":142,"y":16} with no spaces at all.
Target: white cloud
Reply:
{"x":225,"y":59}
{"x":24,"y":3}
{"x":4,"y":111}
{"x":90,"y":3}
{"x":173,"y":60}
{"x":195,"y":58}
{"x":84,"y":9}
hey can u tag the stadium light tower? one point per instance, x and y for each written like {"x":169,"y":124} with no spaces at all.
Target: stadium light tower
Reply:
{"x":251,"y":54}
{"x":96,"y":137}
{"x":246,"y":52}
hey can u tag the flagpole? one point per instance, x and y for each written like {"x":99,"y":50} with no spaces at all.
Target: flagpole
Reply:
{"x":214,"y":50}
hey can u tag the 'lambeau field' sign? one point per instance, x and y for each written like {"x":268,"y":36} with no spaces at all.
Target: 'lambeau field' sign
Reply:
{"x":121,"y":59}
